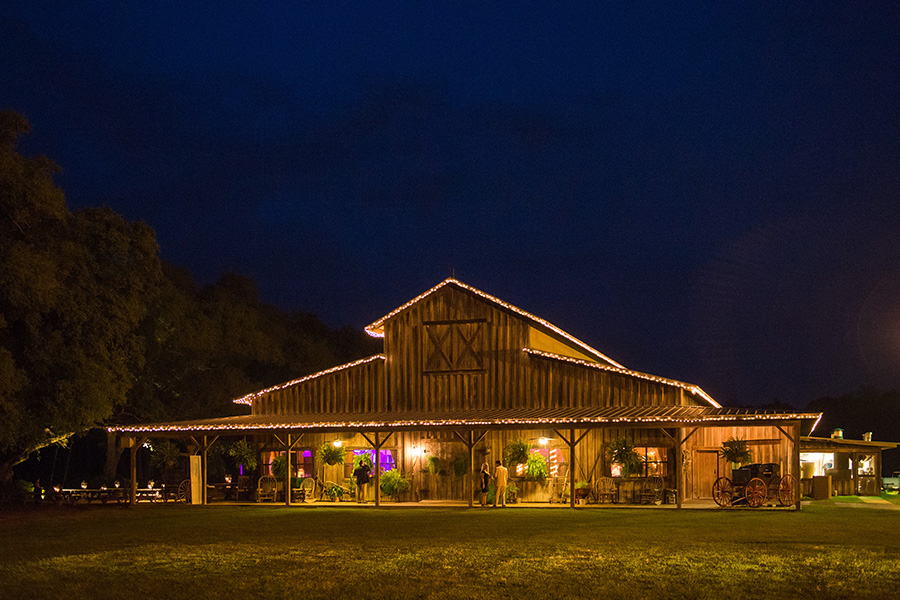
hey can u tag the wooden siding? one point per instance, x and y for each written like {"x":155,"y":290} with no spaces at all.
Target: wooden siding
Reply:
{"x":355,"y":389}
{"x":703,"y":465}
{"x":501,"y":376}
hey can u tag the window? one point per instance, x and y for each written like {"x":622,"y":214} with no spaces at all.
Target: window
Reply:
{"x":386,"y":458}
{"x":305,"y":464}
{"x":654,"y":461}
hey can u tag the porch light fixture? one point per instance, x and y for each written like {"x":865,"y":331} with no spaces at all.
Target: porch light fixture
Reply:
{"x":543,"y":440}
{"x":337,"y":443}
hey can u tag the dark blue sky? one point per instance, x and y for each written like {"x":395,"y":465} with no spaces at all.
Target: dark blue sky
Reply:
{"x":705,"y":193}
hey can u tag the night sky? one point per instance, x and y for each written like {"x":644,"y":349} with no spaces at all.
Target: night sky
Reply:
{"x":708,"y":193}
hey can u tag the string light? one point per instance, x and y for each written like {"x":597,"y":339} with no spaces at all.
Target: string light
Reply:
{"x":577,"y":361}
{"x":249,"y":398}
{"x":376,"y":329}
{"x":697,"y":414}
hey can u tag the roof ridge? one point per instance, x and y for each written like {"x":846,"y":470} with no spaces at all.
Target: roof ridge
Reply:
{"x":373,"y":328}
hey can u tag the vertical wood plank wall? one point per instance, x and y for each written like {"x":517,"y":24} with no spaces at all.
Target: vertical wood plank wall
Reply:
{"x":508,"y":378}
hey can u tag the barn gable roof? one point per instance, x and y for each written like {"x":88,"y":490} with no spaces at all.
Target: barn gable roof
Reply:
{"x":376,"y":329}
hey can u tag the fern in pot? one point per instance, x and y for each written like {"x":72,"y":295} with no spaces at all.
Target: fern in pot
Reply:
{"x":735,"y":451}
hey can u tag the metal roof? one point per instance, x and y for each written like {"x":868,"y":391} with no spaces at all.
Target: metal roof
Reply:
{"x":579,"y":418}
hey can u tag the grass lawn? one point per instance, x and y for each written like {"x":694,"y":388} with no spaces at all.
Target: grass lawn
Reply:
{"x":824,"y":551}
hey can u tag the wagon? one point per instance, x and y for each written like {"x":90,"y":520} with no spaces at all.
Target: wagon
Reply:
{"x":754,"y":485}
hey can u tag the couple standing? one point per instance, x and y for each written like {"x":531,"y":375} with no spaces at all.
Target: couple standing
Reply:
{"x":501,"y":475}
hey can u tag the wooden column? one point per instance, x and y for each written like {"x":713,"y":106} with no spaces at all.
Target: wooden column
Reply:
{"x":287,"y":474}
{"x":132,"y":485}
{"x":572,"y":470}
{"x":572,"y":442}
{"x":796,"y":464}
{"x":377,"y":446}
{"x":679,"y":467}
{"x":470,"y":441}
{"x":203,"y":472}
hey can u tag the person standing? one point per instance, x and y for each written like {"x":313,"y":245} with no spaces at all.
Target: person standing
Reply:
{"x":501,"y":474}
{"x":484,"y":480}
{"x":361,"y":472}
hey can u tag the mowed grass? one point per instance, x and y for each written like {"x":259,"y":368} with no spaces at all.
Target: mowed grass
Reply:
{"x":824,"y":551}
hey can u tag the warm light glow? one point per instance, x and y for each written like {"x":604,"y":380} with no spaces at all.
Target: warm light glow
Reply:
{"x":376,"y":329}
{"x":685,"y":386}
{"x":543,"y":441}
{"x":337,"y":443}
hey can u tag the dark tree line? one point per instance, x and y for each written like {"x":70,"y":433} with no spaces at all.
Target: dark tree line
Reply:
{"x":96,"y":329}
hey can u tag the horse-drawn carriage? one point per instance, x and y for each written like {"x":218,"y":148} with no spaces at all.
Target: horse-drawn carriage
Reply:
{"x":754,"y":485}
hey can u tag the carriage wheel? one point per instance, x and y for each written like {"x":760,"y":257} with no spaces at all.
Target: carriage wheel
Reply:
{"x":184,"y":491}
{"x":787,"y":490}
{"x":723,"y":491}
{"x":756,"y":492}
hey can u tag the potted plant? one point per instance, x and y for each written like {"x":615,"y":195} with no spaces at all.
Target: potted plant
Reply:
{"x":433,"y":464}
{"x":582,"y":490}
{"x":333,"y":491}
{"x":736,"y":452}
{"x":622,"y":451}
{"x":393,"y":483}
{"x":461,"y":465}
{"x":512,"y":493}
{"x":516,"y":453}
{"x":244,"y":455}
{"x":331,"y":455}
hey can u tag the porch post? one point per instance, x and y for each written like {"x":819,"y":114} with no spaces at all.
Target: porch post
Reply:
{"x":132,"y":459}
{"x":470,"y":488}
{"x":377,"y":469}
{"x":679,"y":467}
{"x":796,"y":463}
{"x":287,"y":474}
{"x":572,"y":469}
{"x":203,"y":473}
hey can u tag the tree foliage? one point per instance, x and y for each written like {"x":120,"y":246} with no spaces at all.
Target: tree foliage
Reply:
{"x":74,"y":289}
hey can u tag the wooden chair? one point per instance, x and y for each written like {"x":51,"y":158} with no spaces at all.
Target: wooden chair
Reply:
{"x":243,"y":487}
{"x":652,"y":490}
{"x":266,"y":488}
{"x":606,"y":490}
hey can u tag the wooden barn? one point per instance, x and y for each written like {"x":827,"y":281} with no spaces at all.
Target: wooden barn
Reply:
{"x":463,"y":378}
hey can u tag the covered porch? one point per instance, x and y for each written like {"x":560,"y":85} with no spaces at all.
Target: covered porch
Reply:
{"x":573,"y":442}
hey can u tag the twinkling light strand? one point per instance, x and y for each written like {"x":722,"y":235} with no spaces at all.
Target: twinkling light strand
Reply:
{"x":376,"y":329}
{"x":249,"y":398}
{"x":577,"y":361}
{"x":375,"y":424}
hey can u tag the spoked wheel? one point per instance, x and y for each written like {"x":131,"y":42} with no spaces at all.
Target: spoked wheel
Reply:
{"x":787,"y":490}
{"x":756,"y":492}
{"x":184,"y":491}
{"x":723,"y":491}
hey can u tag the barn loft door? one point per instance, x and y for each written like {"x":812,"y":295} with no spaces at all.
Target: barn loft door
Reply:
{"x":454,"y":346}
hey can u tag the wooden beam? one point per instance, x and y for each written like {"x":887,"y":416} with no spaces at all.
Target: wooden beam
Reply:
{"x":687,"y":437}
{"x":377,"y":446}
{"x":203,"y":450}
{"x":287,"y":473}
{"x":679,"y":467}
{"x":796,"y":462}
{"x":571,"y":442}
{"x":572,"y":467}
{"x":470,"y":441}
